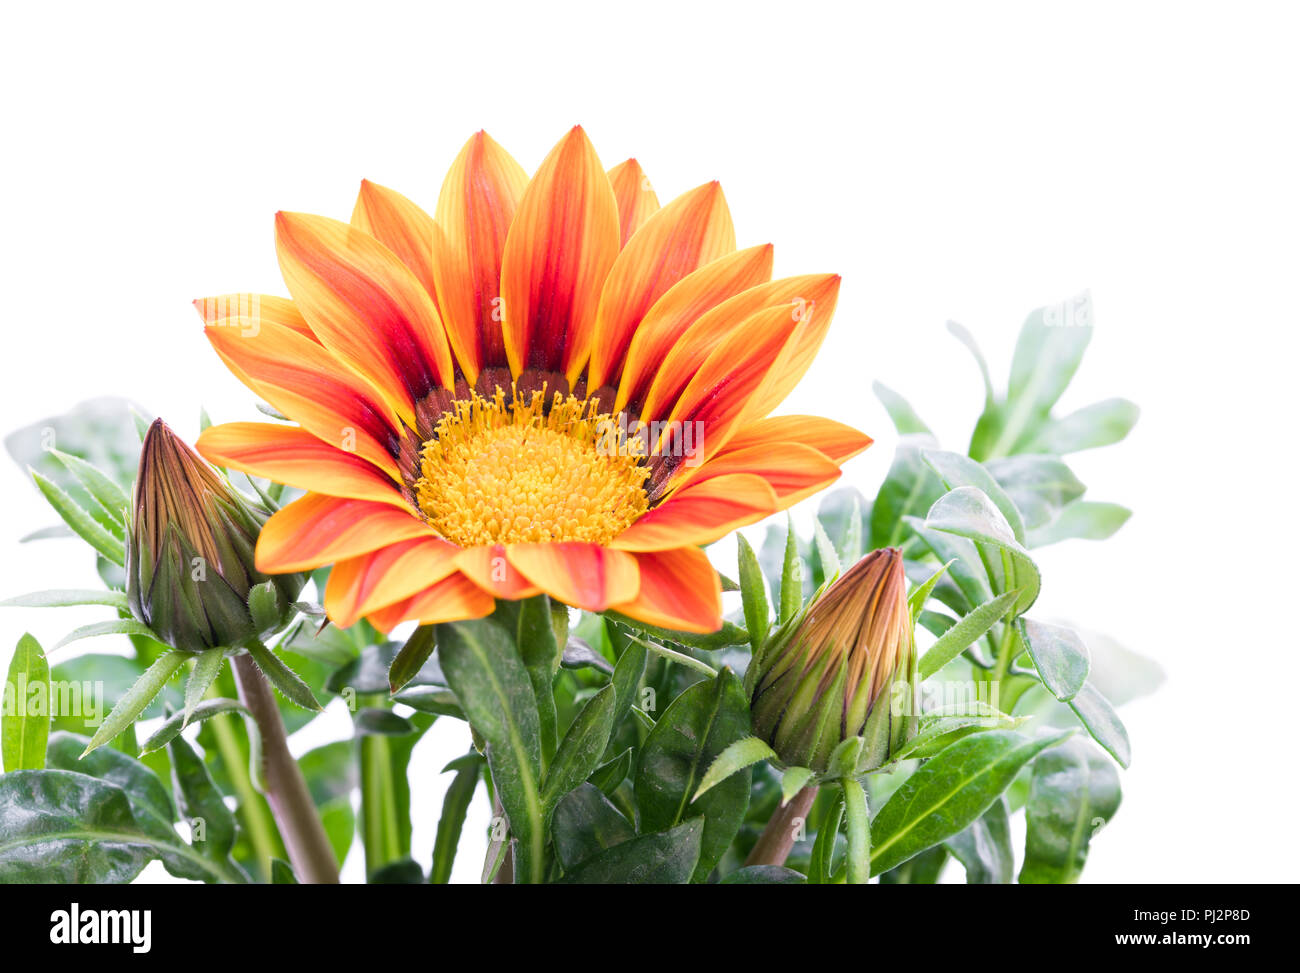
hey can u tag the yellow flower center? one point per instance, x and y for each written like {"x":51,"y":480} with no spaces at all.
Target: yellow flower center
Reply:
{"x":500,"y":474}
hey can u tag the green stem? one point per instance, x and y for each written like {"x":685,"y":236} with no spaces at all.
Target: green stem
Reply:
{"x":304,"y":836}
{"x":252,"y":815}
{"x":858,"y":826}
{"x":379,"y":823}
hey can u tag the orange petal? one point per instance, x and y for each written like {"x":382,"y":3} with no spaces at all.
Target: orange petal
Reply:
{"x":700,"y":514}
{"x":691,"y":231}
{"x":475,"y":209}
{"x":560,"y":247}
{"x":400,"y":225}
{"x":835,"y":440}
{"x":453,"y":599}
{"x":309,"y":385}
{"x":293,"y":456}
{"x":679,"y":308}
{"x":253,"y":309}
{"x":787,"y":372}
{"x":489,"y":568}
{"x":586,"y":576}
{"x":636,"y":198}
{"x":365,"y":306}
{"x":686,"y":356}
{"x":679,"y":590}
{"x":718,"y":395}
{"x":315,"y":530}
{"x":360,"y":585}
{"x":792,"y":470}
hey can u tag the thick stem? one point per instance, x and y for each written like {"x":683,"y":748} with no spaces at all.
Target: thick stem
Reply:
{"x":774,"y":844}
{"x":286,"y":790}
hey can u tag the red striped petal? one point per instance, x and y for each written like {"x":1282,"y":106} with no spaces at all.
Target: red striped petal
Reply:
{"x":700,"y":514}
{"x":560,"y":247}
{"x":358,"y":586}
{"x":586,"y":576}
{"x":691,"y":231}
{"x":400,"y":225}
{"x":305,"y":382}
{"x":316,"y":530}
{"x":679,"y":590}
{"x":293,"y":456}
{"x":365,"y":306}
{"x":636,"y":198}
{"x":489,"y":567}
{"x":475,"y":209}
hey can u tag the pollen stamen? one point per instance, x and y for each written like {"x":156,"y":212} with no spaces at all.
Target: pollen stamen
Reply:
{"x":498,"y":473}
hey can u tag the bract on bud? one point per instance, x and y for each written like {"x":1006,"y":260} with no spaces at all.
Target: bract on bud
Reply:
{"x":190,"y":571}
{"x":842,"y":669}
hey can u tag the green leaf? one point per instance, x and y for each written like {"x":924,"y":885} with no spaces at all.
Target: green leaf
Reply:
{"x":909,"y":489}
{"x":283,"y":678}
{"x":1100,"y":424}
{"x":962,"y":334}
{"x":377,"y":721}
{"x":405,"y":871}
{"x":900,"y":411}
{"x":57,"y":826}
{"x":484,"y":668}
{"x":25,"y":726}
{"x":691,"y":734}
{"x":793,"y":781}
{"x":178,"y":721}
{"x":610,"y":774}
{"x":1084,"y":519}
{"x":949,"y":792}
{"x":764,"y":875}
{"x":1051,"y":345}
{"x":967,"y":512}
{"x":791,"y":574}
{"x":1059,"y":655}
{"x":753,"y":593}
{"x":627,"y":675}
{"x":956,"y":470}
{"x":200,"y":803}
{"x":140,"y":695}
{"x":207,"y":666}
{"x":1073,"y":792}
{"x":581,"y":749}
{"x":147,"y":794}
{"x":110,"y":497}
{"x":455,"y":805}
{"x":984,"y":848}
{"x":82,"y":522}
{"x":1041,"y":486}
{"x":540,"y":650}
{"x":921,"y":593}
{"x":282,"y":873}
{"x":585,"y":824}
{"x":938,"y":732}
{"x":116,"y":626}
{"x":1102,"y":722}
{"x":822,"y":862}
{"x":826,"y":555}
{"x":264,"y":607}
{"x":960,"y":636}
{"x":858,"y":830}
{"x":64,"y":597}
{"x":729,"y":634}
{"x":737,"y":756}
{"x":665,"y":858}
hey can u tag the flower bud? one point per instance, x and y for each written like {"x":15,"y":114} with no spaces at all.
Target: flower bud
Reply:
{"x":843,"y":669}
{"x":189,"y":561}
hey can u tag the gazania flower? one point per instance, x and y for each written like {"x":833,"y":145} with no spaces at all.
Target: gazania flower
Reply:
{"x":550,"y":385}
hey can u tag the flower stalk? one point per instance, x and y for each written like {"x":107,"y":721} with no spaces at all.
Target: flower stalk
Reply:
{"x":286,"y":790}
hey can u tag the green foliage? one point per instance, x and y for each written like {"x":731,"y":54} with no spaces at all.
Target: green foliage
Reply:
{"x":610,"y":751}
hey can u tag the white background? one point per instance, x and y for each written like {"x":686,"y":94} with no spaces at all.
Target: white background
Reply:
{"x":951,"y":161}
